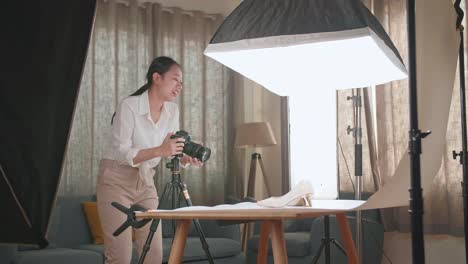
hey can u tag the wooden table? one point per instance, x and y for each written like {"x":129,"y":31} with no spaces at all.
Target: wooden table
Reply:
{"x":271,"y":223}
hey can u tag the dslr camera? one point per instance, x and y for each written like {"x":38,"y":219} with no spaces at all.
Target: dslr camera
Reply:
{"x":193,"y":149}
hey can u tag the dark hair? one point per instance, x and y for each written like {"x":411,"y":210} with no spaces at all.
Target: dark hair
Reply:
{"x":160,"y":65}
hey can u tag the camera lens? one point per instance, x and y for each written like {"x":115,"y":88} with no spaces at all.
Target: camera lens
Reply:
{"x":197,"y":151}
{"x":192,"y":149}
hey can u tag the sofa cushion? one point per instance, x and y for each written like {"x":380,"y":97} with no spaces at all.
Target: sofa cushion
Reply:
{"x":237,"y":259}
{"x":297,"y":244}
{"x":69,"y":227}
{"x":219,"y":248}
{"x":8,"y":252}
{"x":58,"y":256}
{"x":211,"y":228}
{"x":100,"y":249}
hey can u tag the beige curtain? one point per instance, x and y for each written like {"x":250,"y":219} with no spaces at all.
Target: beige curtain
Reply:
{"x":126,"y":37}
{"x":443,"y":203}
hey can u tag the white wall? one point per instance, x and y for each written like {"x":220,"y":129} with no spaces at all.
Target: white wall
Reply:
{"x":438,"y":249}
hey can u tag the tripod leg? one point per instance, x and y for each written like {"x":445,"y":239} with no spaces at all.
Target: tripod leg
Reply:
{"x":325,"y":244}
{"x":164,"y":193}
{"x":326,"y":220}
{"x":146,"y":247}
{"x":175,"y":195}
{"x":154,"y":226}
{"x":252,"y":176}
{"x":168,"y":191}
{"x":339,"y":246}
{"x":265,"y":180}
{"x":319,"y":252}
{"x":183,"y":189}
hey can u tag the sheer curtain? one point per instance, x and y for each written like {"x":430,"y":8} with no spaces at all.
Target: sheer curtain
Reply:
{"x":126,"y":37}
{"x":443,"y":203}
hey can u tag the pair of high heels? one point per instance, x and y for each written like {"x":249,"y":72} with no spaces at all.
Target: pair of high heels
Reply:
{"x":300,"y":195}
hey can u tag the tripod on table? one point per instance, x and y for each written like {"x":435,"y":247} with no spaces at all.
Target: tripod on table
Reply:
{"x":172,"y":189}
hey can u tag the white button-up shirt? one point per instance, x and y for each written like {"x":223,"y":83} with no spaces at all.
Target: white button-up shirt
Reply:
{"x":134,"y":130}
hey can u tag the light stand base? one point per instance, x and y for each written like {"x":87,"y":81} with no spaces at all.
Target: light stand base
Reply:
{"x":325,"y":244}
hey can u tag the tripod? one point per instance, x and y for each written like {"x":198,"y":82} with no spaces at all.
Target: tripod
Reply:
{"x":174,"y":188}
{"x":325,"y":244}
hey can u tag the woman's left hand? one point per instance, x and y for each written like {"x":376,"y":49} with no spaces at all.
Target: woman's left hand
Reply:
{"x":186,"y":160}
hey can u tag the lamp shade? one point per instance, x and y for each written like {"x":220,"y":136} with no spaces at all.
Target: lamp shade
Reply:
{"x":256,"y":134}
{"x":291,"y":45}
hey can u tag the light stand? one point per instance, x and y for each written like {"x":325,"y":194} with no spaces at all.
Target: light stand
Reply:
{"x":463,"y":154}
{"x":174,"y":188}
{"x":414,"y":145}
{"x":357,"y":134}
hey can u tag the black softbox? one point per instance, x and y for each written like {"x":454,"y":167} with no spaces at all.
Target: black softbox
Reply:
{"x":43,"y":51}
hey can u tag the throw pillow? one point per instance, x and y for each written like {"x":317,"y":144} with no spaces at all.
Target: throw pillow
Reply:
{"x":91,"y":213}
{"x":94,"y":223}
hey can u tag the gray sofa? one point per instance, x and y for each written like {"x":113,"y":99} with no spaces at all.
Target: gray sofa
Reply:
{"x":71,"y":241}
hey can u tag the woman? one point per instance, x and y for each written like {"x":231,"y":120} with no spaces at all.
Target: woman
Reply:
{"x":141,"y":131}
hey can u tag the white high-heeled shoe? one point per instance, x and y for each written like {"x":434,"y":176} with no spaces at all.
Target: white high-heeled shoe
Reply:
{"x":300,"y":195}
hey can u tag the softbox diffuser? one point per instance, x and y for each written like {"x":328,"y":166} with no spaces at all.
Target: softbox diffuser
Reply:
{"x":334,"y":44}
{"x":43,"y":50}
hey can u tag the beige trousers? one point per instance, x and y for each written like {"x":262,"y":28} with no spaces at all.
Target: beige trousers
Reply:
{"x":122,"y":184}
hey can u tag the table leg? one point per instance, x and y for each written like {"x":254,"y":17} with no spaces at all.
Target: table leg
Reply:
{"x":347,"y":238}
{"x":278,"y":244}
{"x":263,"y":242}
{"x":245,"y":236}
{"x":180,"y":237}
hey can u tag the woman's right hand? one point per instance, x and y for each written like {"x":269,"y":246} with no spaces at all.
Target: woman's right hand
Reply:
{"x":171,"y":147}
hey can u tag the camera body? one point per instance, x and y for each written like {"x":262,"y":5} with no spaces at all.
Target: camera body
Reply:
{"x":192,"y":149}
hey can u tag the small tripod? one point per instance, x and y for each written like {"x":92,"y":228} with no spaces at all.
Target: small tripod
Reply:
{"x":325,"y":244}
{"x":174,"y":188}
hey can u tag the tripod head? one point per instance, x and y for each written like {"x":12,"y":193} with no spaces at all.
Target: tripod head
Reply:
{"x":174,"y":164}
